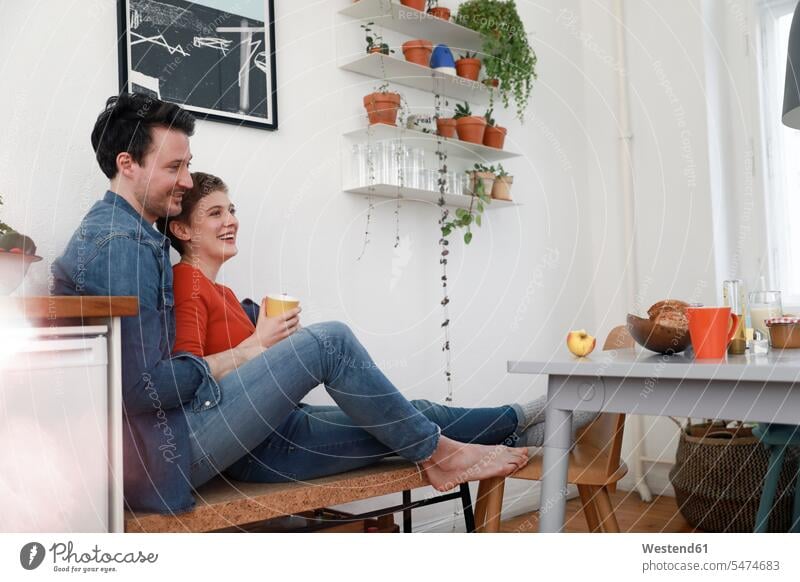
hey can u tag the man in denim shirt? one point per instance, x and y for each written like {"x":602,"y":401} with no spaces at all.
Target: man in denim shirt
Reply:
{"x":187,"y":418}
{"x":142,"y":145}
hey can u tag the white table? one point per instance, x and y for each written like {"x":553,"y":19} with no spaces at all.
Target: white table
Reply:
{"x":749,"y":388}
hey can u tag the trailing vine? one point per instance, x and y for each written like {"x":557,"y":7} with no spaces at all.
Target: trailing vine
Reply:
{"x":507,"y":54}
{"x":441,"y":156}
{"x":370,"y":187}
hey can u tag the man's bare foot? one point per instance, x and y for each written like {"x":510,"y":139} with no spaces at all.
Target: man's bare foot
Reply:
{"x":454,"y":463}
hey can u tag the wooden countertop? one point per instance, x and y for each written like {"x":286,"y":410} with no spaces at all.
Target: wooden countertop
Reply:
{"x":56,"y":307}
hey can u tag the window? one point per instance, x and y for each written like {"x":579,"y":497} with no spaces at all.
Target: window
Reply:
{"x":782,"y":146}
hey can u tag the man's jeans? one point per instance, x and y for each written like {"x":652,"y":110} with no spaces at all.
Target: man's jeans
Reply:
{"x":260,"y":432}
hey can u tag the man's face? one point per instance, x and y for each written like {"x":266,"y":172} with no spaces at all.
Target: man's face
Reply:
{"x":163,"y":176}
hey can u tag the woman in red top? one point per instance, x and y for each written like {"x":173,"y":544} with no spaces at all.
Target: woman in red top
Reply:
{"x":260,"y":430}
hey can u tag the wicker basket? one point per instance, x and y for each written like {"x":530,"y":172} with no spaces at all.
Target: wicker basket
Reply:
{"x":718,"y":476}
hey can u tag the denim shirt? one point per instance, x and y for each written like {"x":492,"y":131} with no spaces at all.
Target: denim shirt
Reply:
{"x":117,"y":252}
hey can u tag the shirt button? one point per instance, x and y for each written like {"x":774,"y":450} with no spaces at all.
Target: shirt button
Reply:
{"x":208,"y":403}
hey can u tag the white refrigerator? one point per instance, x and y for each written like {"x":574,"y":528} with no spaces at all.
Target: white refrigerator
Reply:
{"x":54,"y":435}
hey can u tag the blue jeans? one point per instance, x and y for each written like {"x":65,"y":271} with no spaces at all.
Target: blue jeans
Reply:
{"x":260,"y":431}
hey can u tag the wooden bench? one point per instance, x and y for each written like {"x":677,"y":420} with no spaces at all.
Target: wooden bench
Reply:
{"x":223,"y":503}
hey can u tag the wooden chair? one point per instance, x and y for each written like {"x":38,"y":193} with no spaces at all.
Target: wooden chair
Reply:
{"x":594,"y":466}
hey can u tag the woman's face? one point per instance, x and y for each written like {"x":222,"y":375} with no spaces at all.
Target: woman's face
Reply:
{"x":213,"y":227}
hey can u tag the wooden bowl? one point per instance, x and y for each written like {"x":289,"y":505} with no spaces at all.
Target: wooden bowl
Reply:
{"x":658,"y":338}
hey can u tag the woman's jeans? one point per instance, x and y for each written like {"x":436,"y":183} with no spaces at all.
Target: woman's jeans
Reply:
{"x":261,"y":432}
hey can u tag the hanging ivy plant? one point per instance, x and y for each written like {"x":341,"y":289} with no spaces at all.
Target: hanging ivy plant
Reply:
{"x":441,"y":156}
{"x":508,"y":57}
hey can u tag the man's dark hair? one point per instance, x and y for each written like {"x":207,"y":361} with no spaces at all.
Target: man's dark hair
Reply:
{"x":202,"y":185}
{"x":124,"y":126}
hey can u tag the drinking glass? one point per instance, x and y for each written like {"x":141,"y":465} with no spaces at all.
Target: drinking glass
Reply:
{"x":763,"y":305}
{"x":360,"y":165}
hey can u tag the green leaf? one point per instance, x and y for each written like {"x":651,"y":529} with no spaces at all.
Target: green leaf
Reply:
{"x":460,"y":212}
{"x":478,"y":219}
{"x":467,"y":237}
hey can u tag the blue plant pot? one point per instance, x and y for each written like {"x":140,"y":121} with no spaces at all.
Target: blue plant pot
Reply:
{"x":442,"y":60}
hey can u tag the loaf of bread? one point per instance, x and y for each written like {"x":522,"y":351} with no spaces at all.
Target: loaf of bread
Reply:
{"x":670,"y":313}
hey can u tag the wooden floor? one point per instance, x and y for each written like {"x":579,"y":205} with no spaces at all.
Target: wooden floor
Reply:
{"x":633,"y":515}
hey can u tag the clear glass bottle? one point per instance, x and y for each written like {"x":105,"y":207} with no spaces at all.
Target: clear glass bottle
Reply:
{"x":733,"y":297}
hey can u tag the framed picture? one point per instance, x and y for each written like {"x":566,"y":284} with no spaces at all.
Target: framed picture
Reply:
{"x":216,"y":58}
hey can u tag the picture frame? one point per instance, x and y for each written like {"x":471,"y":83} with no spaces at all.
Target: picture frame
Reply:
{"x":219,"y":65}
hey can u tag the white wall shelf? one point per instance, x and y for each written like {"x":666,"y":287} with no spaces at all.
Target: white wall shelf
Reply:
{"x":416,"y":76}
{"x":394,"y":16}
{"x":431,"y":197}
{"x":427,"y":141}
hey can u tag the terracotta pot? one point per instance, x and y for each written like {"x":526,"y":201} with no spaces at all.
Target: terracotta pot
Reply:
{"x":418,"y":51}
{"x":468,"y":68}
{"x":491,"y":82}
{"x":415,"y":4}
{"x":382,"y":107}
{"x":441,"y":12}
{"x":486,"y":177}
{"x":446,"y":127}
{"x":501,"y":190}
{"x":376,"y":49}
{"x":471,"y":129}
{"x":494,"y":137}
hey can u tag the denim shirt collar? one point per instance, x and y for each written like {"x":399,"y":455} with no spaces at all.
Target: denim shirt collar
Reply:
{"x":145,"y":227}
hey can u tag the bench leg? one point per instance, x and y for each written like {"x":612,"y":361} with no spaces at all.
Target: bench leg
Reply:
{"x":466,"y":503}
{"x":406,"y":512}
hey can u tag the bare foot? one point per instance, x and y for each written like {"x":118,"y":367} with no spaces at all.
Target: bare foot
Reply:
{"x":454,"y":463}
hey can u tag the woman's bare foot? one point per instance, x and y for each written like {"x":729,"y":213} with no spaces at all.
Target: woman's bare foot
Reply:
{"x":454,"y":463}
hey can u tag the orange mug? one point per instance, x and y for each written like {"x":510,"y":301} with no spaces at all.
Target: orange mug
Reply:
{"x":711,"y":330}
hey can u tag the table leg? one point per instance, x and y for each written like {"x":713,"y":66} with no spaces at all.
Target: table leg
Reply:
{"x":116,"y":521}
{"x":557,"y":442}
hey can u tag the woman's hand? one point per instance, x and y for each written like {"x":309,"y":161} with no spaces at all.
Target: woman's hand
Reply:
{"x":271,"y":330}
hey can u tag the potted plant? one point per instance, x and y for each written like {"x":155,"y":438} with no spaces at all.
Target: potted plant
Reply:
{"x":494,"y":136}
{"x":415,"y":4}
{"x":418,"y":51}
{"x":508,"y":57}
{"x":466,"y":217}
{"x":481,"y":179}
{"x":470,"y":128}
{"x":469,"y":66}
{"x":446,"y":127}
{"x":382,"y":106}
{"x":17,"y":253}
{"x":438,"y":11}
{"x":374,"y":41}
{"x":501,"y":189}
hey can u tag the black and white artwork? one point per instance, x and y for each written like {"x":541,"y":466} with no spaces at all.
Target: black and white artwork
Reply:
{"x":213,"y":57}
